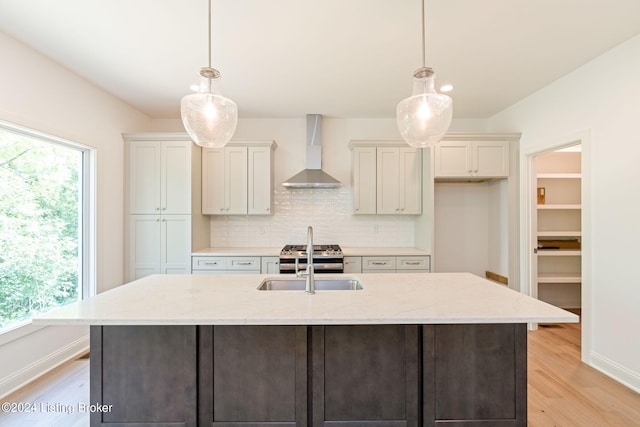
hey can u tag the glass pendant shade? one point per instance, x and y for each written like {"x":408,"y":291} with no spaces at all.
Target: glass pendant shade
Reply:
{"x":425,"y":116}
{"x":209,"y":118}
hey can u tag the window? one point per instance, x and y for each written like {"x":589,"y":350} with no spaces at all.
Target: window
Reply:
{"x":43,"y":223}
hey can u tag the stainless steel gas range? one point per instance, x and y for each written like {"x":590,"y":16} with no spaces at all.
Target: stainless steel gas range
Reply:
{"x":326,"y":259}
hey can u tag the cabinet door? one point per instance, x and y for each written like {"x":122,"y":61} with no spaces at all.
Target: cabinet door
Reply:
{"x":144,"y":245}
{"x":147,"y":374}
{"x":475,"y":374}
{"x":364,"y":180}
{"x":270,"y":265}
{"x":176,"y":244}
{"x":260,"y":180}
{"x":352,"y":264}
{"x":175,"y":177}
{"x":144,"y":177}
{"x":453,"y":159}
{"x":410,"y":181}
{"x":491,"y":159}
{"x":235,"y":177}
{"x":213,"y":184}
{"x":388,"y":180}
{"x":364,"y":373}
{"x":253,"y":376}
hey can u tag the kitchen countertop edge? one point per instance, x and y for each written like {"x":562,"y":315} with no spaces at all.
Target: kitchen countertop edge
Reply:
{"x":395,"y":298}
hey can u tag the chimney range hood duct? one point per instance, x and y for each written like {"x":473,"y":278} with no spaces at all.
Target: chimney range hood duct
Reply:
{"x":313,"y":176}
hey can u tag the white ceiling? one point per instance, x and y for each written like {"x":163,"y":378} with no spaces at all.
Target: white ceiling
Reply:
{"x":340,"y":58}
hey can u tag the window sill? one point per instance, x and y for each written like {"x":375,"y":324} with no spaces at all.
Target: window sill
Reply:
{"x":18,"y":331}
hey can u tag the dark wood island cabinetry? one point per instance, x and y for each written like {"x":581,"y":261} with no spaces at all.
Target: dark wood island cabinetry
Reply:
{"x":317,"y":376}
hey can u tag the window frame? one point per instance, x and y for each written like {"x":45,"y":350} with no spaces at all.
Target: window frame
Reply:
{"x":88,"y":221}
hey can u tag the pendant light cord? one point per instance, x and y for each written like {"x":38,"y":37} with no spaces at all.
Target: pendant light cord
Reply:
{"x":424,"y":38}
{"x":209,"y":34}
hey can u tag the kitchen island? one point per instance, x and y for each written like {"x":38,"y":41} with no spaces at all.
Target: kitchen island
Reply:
{"x":406,"y":350}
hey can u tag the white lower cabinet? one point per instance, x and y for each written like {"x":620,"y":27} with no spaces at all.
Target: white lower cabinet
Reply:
{"x":270,"y":265}
{"x":159,"y":244}
{"x":208,"y":264}
{"x":352,"y":264}
{"x":396,"y":264}
{"x":379,"y":264}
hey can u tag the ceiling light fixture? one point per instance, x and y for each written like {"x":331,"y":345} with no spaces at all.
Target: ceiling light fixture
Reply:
{"x":209,"y":118}
{"x":425,"y":116}
{"x":446,"y":88}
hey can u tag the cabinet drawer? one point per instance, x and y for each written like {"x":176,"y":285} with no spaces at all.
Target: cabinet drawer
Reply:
{"x":413,"y":263}
{"x":244,"y":263}
{"x":378,"y":263}
{"x":208,"y":263}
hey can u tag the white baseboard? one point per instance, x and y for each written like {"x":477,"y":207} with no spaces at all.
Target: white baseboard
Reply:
{"x":616,"y":371}
{"x":35,"y":370}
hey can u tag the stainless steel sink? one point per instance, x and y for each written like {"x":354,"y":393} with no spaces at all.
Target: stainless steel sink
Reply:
{"x":327,"y":284}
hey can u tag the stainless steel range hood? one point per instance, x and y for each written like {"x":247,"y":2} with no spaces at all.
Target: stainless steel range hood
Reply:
{"x":313,"y":176}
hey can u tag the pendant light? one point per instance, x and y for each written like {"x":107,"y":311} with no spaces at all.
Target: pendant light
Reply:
{"x":209,"y":118}
{"x":425,"y":116}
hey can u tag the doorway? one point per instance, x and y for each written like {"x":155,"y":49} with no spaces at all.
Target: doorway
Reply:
{"x":556,"y":250}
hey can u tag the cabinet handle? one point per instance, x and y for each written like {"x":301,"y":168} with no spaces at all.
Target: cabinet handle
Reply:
{"x":244,"y":263}
{"x":211,"y":263}
{"x":379,"y":263}
{"x":412,"y":262}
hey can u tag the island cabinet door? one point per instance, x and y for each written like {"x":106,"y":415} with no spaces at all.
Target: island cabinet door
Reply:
{"x":365,"y":375}
{"x":143,"y":376}
{"x":252,"y":376}
{"x":475,"y":374}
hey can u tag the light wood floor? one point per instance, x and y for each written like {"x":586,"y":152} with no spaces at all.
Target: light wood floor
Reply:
{"x":562,"y":392}
{"x":55,"y":395}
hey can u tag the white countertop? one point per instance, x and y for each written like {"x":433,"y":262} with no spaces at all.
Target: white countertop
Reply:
{"x":346,"y":251}
{"x":397,"y":298}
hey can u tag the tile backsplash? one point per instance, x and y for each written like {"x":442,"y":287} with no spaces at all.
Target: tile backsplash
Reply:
{"x":329,"y":211}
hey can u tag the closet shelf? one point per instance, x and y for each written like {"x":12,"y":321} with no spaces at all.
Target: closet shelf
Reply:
{"x":559,"y":278}
{"x":560,"y":206}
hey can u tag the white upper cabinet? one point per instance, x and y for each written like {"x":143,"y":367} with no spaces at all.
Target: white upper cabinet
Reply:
{"x":160,"y":177}
{"x":475,"y":159}
{"x":238,"y":179}
{"x":387,"y":178}
{"x":260,"y":180}
{"x":364,"y":180}
{"x":399,"y":175}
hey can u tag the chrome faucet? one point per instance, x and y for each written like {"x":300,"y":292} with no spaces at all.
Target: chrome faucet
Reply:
{"x":310,"y":284}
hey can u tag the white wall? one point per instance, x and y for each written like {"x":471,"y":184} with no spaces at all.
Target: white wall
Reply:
{"x":599,"y":100}
{"x":42,"y":95}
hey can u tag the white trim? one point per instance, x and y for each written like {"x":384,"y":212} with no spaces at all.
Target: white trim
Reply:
{"x":616,"y":371}
{"x":18,"y":330}
{"x":51,"y":361}
{"x":88,"y":232}
{"x":529,"y":207}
